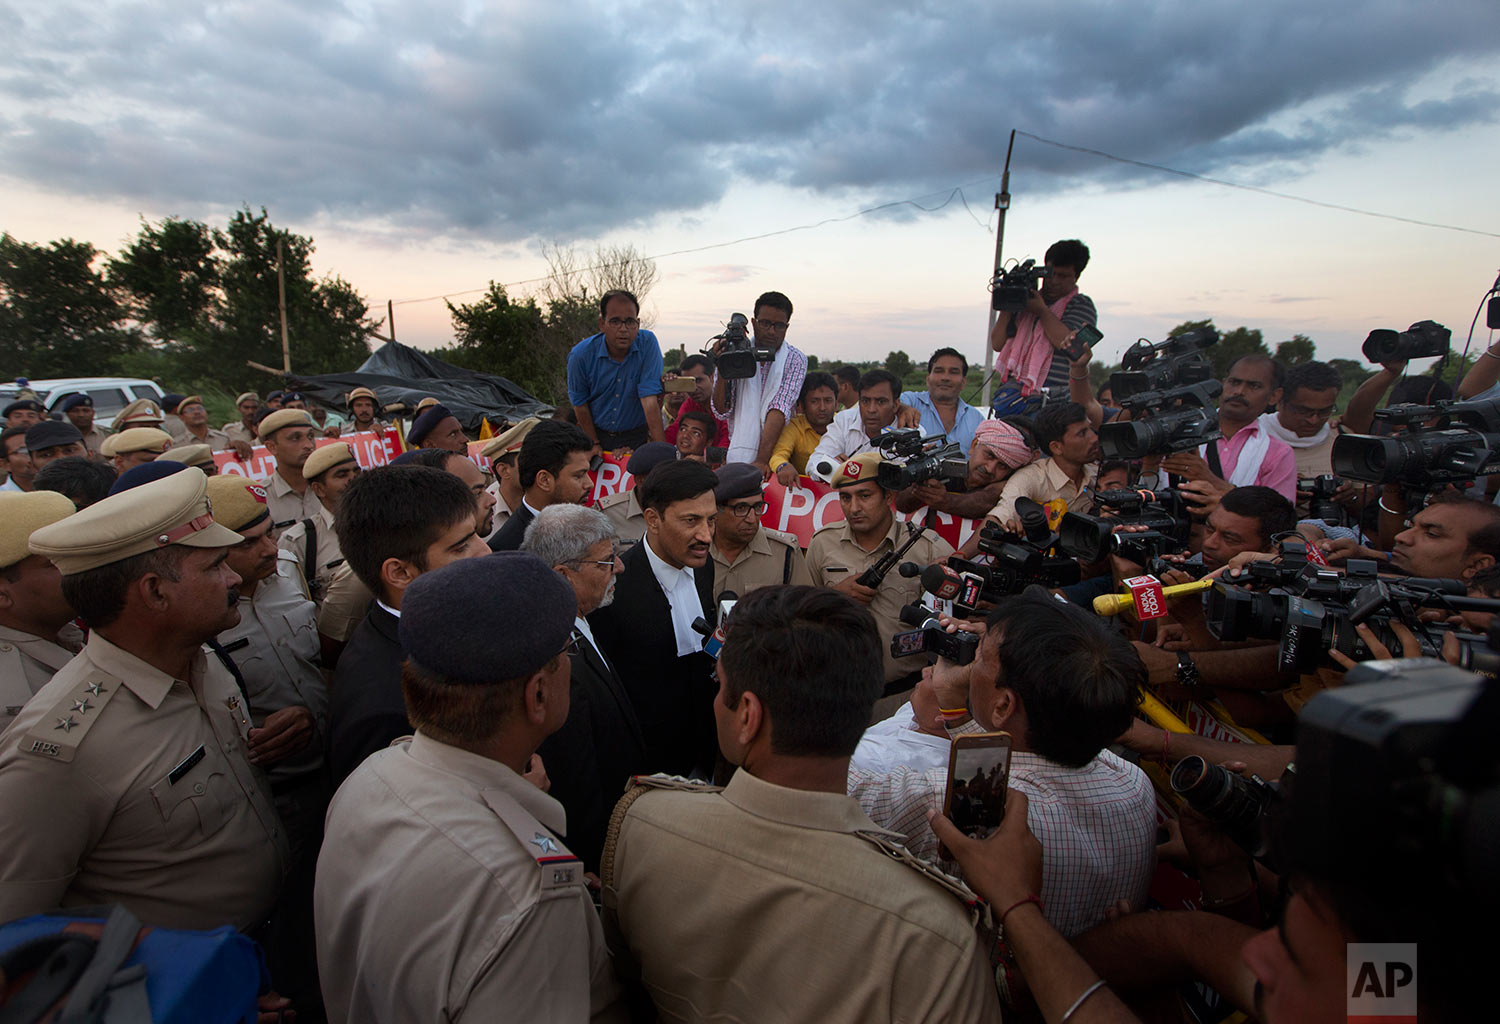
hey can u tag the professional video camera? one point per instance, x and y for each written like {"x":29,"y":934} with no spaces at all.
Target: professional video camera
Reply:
{"x":1419,"y":341}
{"x":1017,"y":560}
{"x":1320,"y":490}
{"x":1463,"y":444}
{"x":1093,"y":538}
{"x":738,"y":355}
{"x":931,"y":638}
{"x":1012,"y":287}
{"x":1180,"y":420}
{"x":925,"y":458}
{"x":1165,"y":364}
{"x":1314,"y":610}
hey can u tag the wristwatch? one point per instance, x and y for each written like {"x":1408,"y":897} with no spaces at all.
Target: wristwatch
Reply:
{"x":1187,"y":672}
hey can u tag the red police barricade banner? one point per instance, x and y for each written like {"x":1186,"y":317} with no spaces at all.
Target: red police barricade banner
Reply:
{"x":371,"y":449}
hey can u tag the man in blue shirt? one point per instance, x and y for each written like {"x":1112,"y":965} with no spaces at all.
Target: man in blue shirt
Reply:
{"x":614,"y":378}
{"x":942,"y":406}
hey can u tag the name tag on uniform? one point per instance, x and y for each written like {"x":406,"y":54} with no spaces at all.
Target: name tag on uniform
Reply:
{"x":835,"y":568}
{"x":186,"y":766}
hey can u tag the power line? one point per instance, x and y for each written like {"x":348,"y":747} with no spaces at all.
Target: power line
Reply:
{"x":956,"y":192}
{"x":1255,"y":188}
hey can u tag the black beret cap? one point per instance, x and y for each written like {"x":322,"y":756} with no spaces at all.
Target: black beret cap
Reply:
{"x":648,"y":456}
{"x":73,"y":401}
{"x":170,"y":401}
{"x":24,"y":403}
{"x":482,"y":621}
{"x":424,"y":423}
{"x":50,"y":434}
{"x":145,"y":473}
{"x":736,"y":480}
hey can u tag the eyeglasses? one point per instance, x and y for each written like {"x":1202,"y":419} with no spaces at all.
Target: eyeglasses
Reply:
{"x":744,"y":510}
{"x":771,"y":325}
{"x":610,"y":564}
{"x":627,"y":321}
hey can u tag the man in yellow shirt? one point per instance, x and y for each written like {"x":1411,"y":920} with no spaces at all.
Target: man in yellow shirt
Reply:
{"x":800,"y":437}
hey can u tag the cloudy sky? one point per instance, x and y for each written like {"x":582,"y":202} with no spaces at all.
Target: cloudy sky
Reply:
{"x":429,"y":148}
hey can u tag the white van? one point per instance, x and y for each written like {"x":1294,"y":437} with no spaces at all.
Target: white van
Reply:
{"x":110,"y":394}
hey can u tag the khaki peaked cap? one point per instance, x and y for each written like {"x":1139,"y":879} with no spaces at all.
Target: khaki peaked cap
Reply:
{"x":190,"y":454}
{"x":21,"y":515}
{"x":510,"y":440}
{"x":136,"y":439}
{"x":325,"y":458}
{"x":282,"y":418}
{"x":172,"y":510}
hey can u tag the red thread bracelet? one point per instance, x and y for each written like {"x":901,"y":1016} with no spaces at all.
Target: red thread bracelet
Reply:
{"x":1166,"y":744}
{"x":1029,"y":899}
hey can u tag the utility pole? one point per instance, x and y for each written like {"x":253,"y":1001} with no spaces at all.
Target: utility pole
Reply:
{"x":390,"y":317}
{"x":1002,"y":203}
{"x":286,"y":345}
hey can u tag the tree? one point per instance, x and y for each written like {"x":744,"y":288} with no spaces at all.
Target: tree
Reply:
{"x":1300,"y":349}
{"x":812,"y":362}
{"x":1233,"y":346}
{"x":168,"y":278}
{"x":898,"y":363}
{"x":57,"y":317}
{"x":499,"y":336}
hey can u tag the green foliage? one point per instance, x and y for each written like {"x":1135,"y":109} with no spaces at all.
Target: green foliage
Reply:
{"x":812,"y":363}
{"x":168,"y":278}
{"x":57,"y":316}
{"x":496,"y":335}
{"x":899,"y":363}
{"x":1296,"y":351}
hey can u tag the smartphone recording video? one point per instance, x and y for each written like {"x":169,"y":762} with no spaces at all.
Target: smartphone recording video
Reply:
{"x":978,"y":769}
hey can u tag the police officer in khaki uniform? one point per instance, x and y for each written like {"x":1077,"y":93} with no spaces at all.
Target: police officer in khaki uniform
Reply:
{"x":143,"y":412}
{"x":840,"y":553}
{"x":195,"y":429}
{"x":125,"y":779}
{"x":312,"y":543}
{"x":828,"y":918}
{"x":37,"y":635}
{"x":746,"y":554}
{"x":363,"y":405}
{"x":79,"y":409}
{"x":135,"y":446}
{"x":622,"y":508}
{"x":503,"y":452}
{"x":290,"y":435}
{"x":443,"y":890}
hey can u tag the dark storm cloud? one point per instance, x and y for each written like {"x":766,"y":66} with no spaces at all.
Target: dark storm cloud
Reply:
{"x":554,"y":120}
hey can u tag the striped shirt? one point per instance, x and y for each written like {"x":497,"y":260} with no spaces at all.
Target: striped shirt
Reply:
{"x":1096,"y":824}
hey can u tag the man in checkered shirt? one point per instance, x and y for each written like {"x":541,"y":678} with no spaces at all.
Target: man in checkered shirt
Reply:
{"x":1053,"y":677}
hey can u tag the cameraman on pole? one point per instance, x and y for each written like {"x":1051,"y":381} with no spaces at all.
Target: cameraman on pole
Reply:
{"x":759,"y":406}
{"x":1030,"y":344}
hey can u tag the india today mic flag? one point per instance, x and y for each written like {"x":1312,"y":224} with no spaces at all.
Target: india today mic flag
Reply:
{"x":1150,"y":603}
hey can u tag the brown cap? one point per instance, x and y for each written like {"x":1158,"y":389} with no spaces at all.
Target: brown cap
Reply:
{"x":172,"y":510}
{"x":238,"y":503}
{"x":136,"y":439}
{"x":857,"y":470}
{"x":246,"y":396}
{"x":189,"y":400}
{"x":141,"y":413}
{"x":285,"y":418}
{"x":325,"y":458}
{"x":364,"y":393}
{"x":190,"y":455}
{"x":426,"y":403}
{"x":509,"y":440}
{"x":21,"y":515}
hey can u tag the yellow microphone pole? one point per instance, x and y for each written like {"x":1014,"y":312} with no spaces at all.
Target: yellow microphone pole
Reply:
{"x":1114,"y":604}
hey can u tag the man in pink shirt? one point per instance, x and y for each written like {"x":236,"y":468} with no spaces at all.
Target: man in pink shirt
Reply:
{"x":1246,"y":455}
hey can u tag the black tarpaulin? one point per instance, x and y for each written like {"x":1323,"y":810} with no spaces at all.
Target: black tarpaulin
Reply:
{"x":402,"y":375}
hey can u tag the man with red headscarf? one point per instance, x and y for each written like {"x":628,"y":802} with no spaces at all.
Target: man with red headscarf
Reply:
{"x":997,"y":451}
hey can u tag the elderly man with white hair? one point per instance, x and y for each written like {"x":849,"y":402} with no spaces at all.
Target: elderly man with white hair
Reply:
{"x":600,"y":746}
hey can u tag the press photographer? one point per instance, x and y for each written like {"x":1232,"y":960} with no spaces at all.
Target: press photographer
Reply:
{"x":1030,"y":336}
{"x":758,"y":380}
{"x":997,"y":451}
{"x":1065,"y":473}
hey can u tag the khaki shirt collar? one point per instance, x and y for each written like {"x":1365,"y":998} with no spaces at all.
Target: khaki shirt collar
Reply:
{"x":41,"y":649}
{"x":893,"y":538}
{"x":487,"y":773}
{"x":278,"y":484}
{"x":146,"y":681}
{"x":1059,"y":481}
{"x":800,"y":808}
{"x":760,"y":544}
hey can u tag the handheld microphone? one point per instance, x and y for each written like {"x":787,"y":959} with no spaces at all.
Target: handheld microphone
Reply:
{"x":917,"y":615}
{"x":941,"y":582}
{"x":1114,"y":604}
{"x":909,"y":569}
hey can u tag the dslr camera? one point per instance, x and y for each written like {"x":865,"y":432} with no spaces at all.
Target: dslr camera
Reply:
{"x":1419,"y":341}
{"x":1013,"y":287}
{"x":1176,"y":420}
{"x":738,"y":354}
{"x":1165,"y":364}
{"x":1321,"y":505}
{"x":922,"y":458}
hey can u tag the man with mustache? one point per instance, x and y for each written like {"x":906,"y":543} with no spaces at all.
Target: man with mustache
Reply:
{"x":600,"y":745}
{"x":647,"y":633}
{"x":1247,"y":453}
